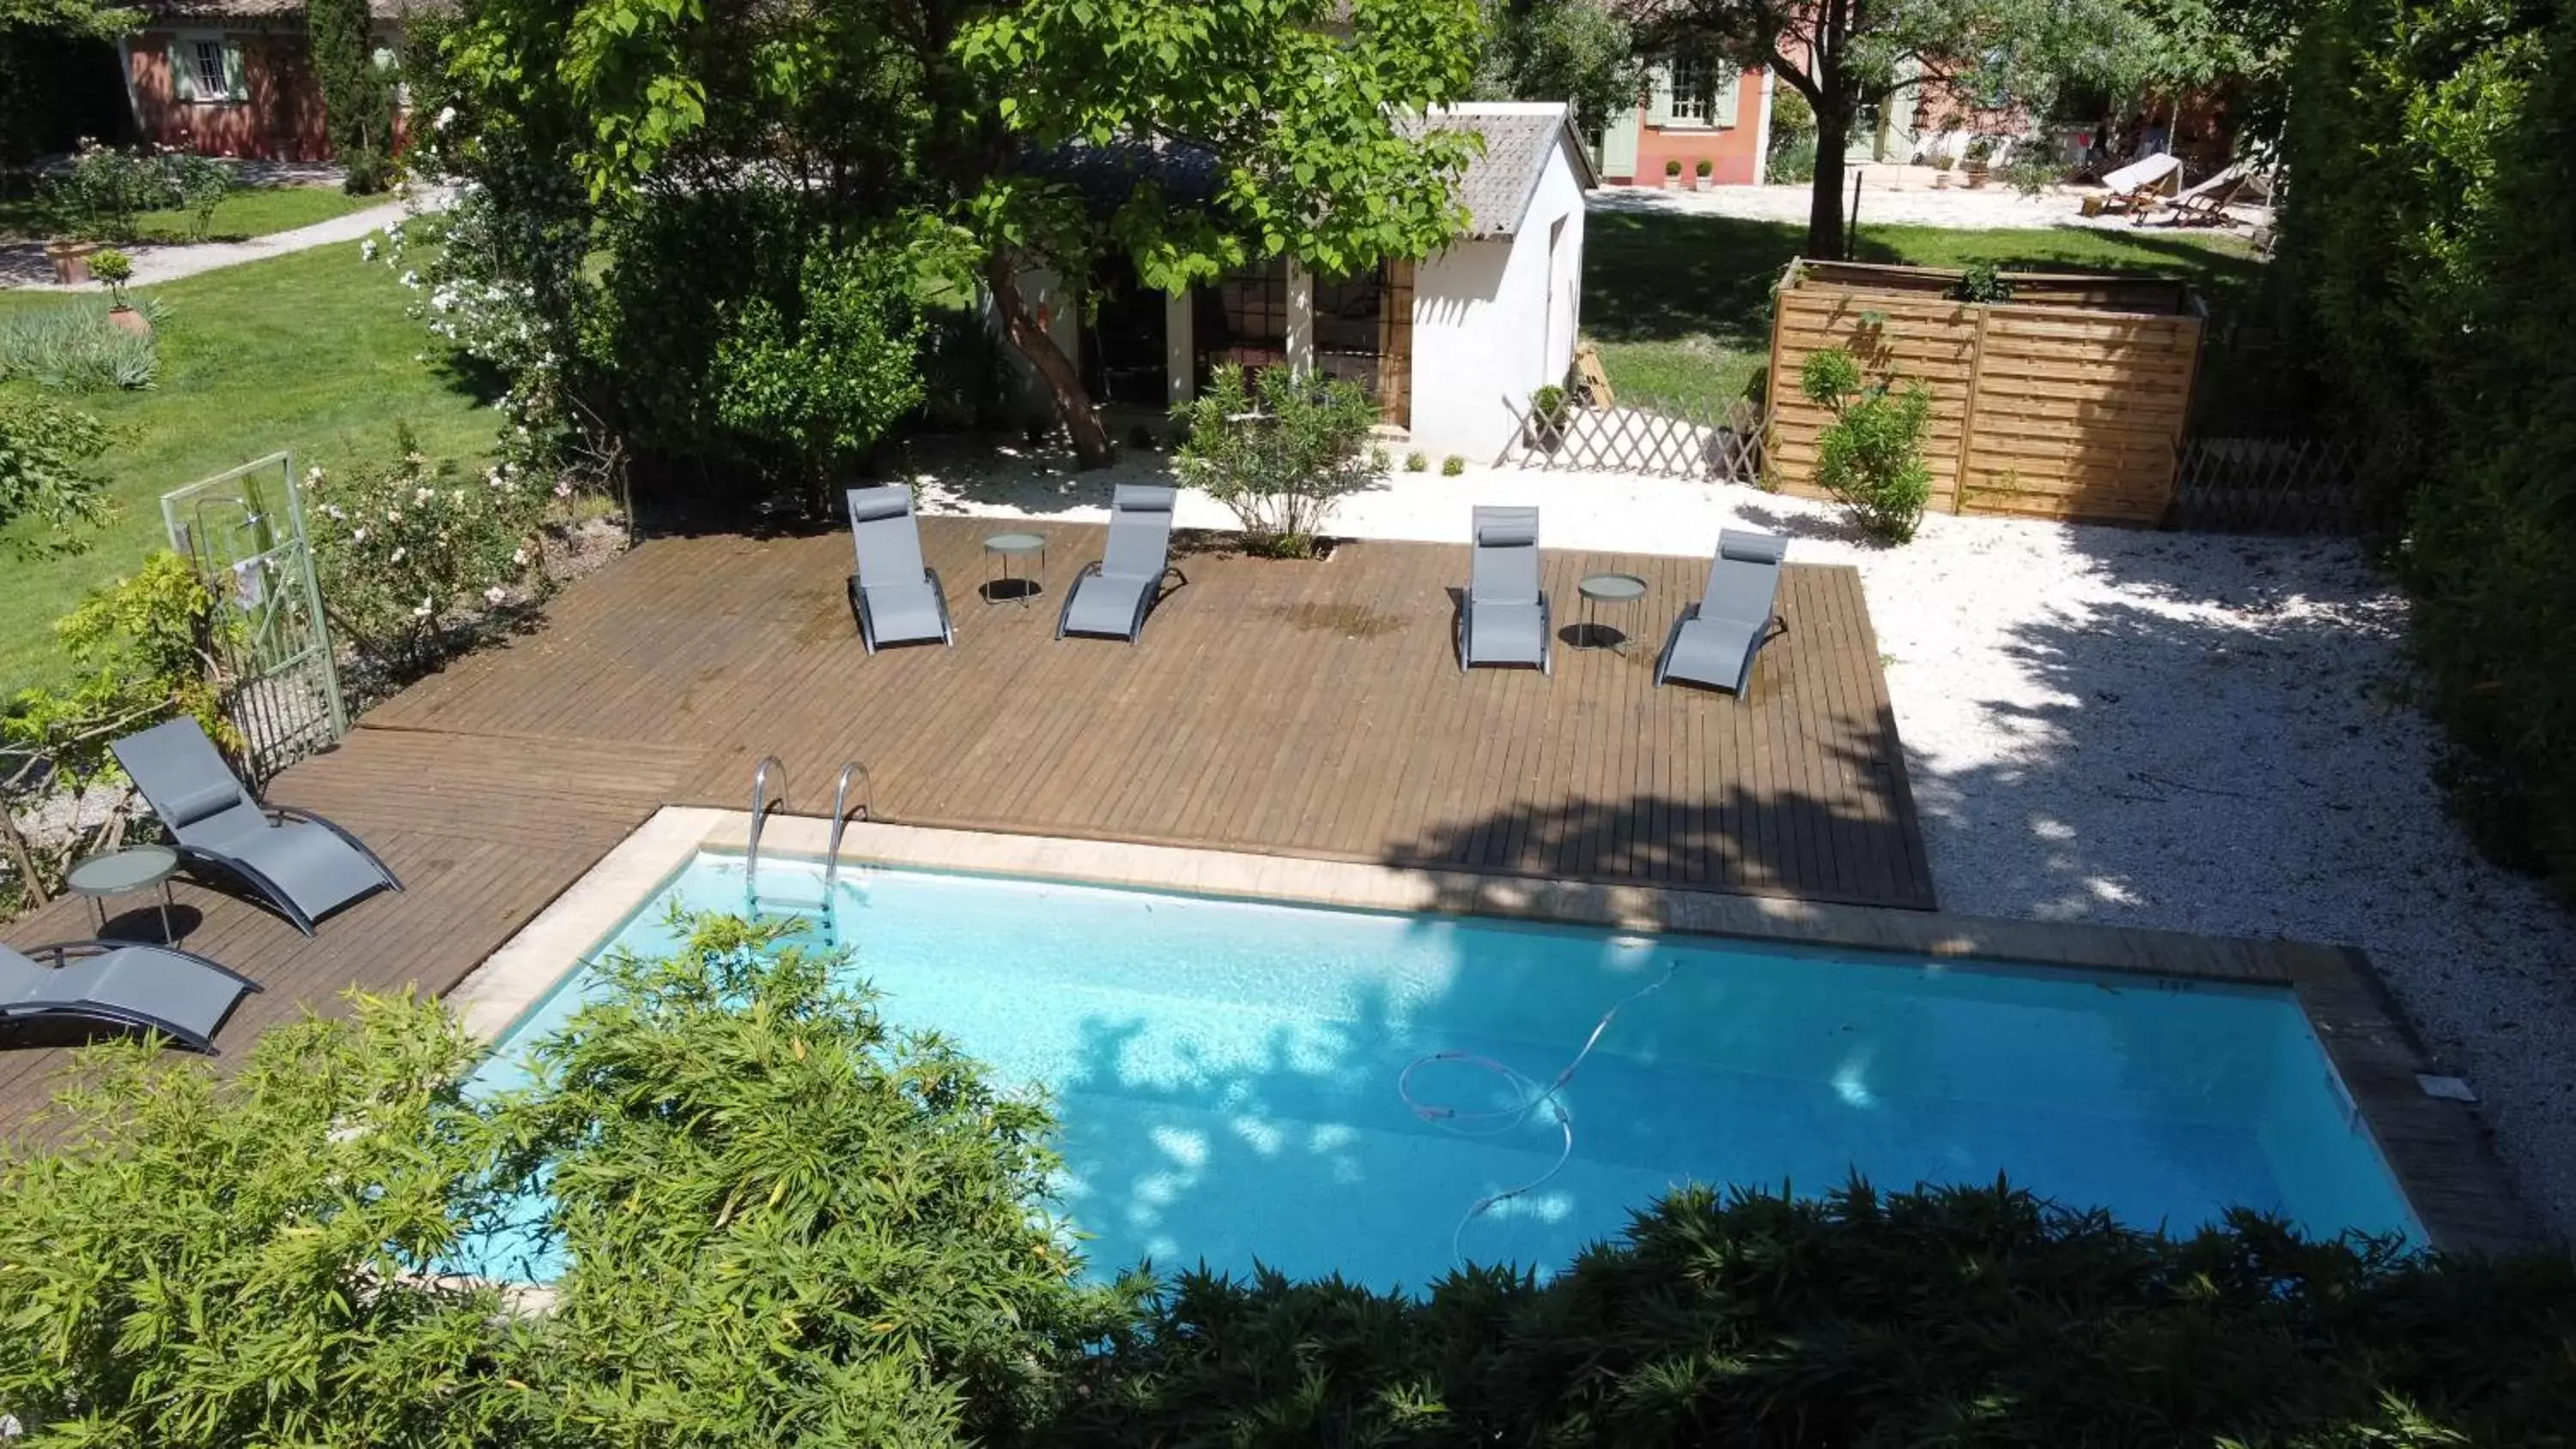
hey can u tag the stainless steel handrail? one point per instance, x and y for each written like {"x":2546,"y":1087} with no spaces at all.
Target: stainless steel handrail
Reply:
{"x":760,"y":803}
{"x":841,"y":818}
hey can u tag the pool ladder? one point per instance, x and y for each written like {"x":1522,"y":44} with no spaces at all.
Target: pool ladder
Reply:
{"x":852,"y":773}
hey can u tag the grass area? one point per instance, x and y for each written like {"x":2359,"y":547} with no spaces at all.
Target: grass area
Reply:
{"x":1680,"y":305}
{"x":241,"y":215}
{"x":309,"y":352}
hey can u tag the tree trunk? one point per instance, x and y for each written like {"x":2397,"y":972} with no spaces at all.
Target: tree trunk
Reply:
{"x":1825,"y":201}
{"x":1063,"y":382}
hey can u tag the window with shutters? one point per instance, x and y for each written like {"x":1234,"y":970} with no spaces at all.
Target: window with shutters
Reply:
{"x":1690,"y":92}
{"x":206,"y":69}
{"x":1693,"y":92}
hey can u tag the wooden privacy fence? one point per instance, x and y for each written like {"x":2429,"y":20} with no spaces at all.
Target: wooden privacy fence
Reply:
{"x":2066,"y":402}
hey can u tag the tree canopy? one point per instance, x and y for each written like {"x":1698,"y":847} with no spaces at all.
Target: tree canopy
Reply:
{"x":1577,"y":51}
{"x":856,"y":115}
{"x":1843,"y":55}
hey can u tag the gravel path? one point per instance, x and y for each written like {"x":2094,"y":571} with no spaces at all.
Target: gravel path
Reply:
{"x":2194,"y":732}
{"x":1990,"y":207}
{"x":23,"y":264}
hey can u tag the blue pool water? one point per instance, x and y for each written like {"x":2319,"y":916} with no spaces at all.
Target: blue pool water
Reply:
{"x":1228,"y":1073}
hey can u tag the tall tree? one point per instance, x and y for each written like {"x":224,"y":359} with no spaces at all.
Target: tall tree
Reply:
{"x":357,"y":97}
{"x":1845,"y":55}
{"x":1293,"y":109}
{"x":1576,"y":51}
{"x":69,"y":17}
{"x":1298,"y":108}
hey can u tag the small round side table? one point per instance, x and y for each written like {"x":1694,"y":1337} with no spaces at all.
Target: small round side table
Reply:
{"x":135,"y":868}
{"x":1006,"y":547}
{"x":1599,"y":589}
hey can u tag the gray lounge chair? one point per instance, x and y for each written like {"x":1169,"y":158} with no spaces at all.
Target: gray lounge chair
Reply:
{"x":297,"y":861}
{"x":183,"y":996}
{"x":897,"y":597}
{"x":1714,"y":640}
{"x":1506,"y":618}
{"x":1110,"y":598}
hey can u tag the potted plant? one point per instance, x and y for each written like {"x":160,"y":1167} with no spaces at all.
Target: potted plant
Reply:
{"x":1701,"y":174}
{"x":1550,"y":408}
{"x":70,"y":260}
{"x":114,"y":269}
{"x":1981,"y":150}
{"x":1942,"y":161}
{"x":1673,"y":175}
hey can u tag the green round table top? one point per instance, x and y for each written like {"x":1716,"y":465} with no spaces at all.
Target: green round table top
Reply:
{"x":1015,"y":543}
{"x":134,"y":868}
{"x":1612,"y":588}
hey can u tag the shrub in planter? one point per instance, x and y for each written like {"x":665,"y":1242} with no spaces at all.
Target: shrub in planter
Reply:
{"x":1701,"y":171}
{"x":1280,"y":452}
{"x":1870,"y":457}
{"x":1551,"y":408}
{"x":1416,"y":461}
{"x":1452,"y":466}
{"x":1672,"y":174}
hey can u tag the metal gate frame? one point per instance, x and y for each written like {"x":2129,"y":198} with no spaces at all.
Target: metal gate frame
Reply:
{"x":266,"y":573}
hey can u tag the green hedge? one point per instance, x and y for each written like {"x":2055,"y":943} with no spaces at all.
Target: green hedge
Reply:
{"x":2428,"y":229}
{"x":1944,"y":1317}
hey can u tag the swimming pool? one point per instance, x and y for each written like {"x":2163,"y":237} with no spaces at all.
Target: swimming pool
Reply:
{"x":1344,"y":1091}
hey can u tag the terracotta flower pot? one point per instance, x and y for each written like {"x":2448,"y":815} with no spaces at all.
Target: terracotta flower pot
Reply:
{"x":71,"y":260}
{"x":130,"y":320}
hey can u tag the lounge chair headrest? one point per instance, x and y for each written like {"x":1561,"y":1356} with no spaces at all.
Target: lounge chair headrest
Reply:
{"x":1506,"y":527}
{"x":870,"y":504}
{"x":204,"y":802}
{"x":1746,"y":547}
{"x":1143,"y":498}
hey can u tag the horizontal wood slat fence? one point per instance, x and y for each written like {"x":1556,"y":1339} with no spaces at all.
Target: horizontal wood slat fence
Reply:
{"x":2268,"y":485}
{"x":1660,"y":440}
{"x":2066,"y":402}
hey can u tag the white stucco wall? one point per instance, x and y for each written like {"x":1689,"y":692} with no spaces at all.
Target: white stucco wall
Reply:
{"x":1495,"y":320}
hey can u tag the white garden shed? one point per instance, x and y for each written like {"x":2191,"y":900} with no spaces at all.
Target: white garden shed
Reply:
{"x":1451,"y":346}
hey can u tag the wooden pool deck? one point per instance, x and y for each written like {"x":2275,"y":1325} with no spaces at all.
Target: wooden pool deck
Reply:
{"x":1305,"y":709}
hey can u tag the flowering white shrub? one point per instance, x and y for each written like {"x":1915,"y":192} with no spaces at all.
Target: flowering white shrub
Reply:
{"x":400,"y":549}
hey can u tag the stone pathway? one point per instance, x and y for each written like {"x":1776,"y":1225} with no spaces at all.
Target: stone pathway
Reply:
{"x":23,"y":264}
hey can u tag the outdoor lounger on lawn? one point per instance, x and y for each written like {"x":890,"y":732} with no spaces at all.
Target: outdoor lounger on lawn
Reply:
{"x":1109,"y":598}
{"x":182,"y":996}
{"x":299,"y":862}
{"x":1505,"y":620}
{"x":896,"y":596}
{"x":2207,"y":203}
{"x":1714,"y":640}
{"x":2133,"y":187}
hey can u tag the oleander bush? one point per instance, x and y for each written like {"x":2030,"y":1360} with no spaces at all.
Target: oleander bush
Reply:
{"x":1281,"y":451}
{"x":1870,"y":457}
{"x":2426,"y":243}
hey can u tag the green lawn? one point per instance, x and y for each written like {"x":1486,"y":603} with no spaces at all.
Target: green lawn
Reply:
{"x":309,"y":352}
{"x":240,"y":215}
{"x":1680,"y":305}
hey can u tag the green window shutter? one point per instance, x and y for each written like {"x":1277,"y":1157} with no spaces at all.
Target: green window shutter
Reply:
{"x":233,"y":81}
{"x":1721,"y":106}
{"x":183,"y":68}
{"x":1659,"y":108}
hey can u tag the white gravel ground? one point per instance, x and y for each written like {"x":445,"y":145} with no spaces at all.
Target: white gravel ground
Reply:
{"x":1991,"y":207}
{"x":2193,"y":732}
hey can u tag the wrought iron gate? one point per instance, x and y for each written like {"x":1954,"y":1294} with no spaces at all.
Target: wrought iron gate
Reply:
{"x":243,"y":529}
